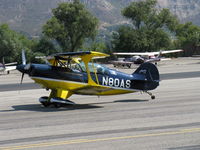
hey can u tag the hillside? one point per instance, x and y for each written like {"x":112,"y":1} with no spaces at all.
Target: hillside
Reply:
{"x":28,"y":16}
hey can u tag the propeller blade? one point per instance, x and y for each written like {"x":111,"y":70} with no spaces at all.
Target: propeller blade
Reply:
{"x":23,"y":58}
{"x":22,"y":78}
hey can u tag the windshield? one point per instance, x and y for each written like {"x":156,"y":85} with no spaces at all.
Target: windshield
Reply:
{"x":93,"y":67}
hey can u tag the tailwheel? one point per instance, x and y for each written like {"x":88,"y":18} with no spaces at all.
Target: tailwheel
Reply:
{"x":44,"y":101}
{"x":153,"y":97}
{"x":149,"y":93}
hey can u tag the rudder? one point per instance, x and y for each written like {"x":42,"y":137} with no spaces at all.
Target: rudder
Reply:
{"x":146,"y":77}
{"x":149,"y":70}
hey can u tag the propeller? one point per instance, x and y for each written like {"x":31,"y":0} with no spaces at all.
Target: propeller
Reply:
{"x":22,"y":78}
{"x":23,"y":66}
{"x":23,"y":58}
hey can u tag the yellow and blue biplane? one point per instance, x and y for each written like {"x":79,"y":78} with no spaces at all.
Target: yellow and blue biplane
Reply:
{"x":75,"y":73}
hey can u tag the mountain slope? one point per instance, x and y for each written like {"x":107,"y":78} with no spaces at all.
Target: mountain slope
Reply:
{"x":28,"y":16}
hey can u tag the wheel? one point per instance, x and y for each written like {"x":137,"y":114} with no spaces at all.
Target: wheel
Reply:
{"x":153,"y":97}
{"x":57,"y":105}
{"x":44,"y":101}
{"x":46,"y":104}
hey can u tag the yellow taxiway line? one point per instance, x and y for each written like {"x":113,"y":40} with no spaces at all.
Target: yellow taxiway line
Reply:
{"x":79,"y":141}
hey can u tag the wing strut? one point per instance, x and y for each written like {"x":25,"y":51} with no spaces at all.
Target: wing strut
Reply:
{"x":86,"y":59}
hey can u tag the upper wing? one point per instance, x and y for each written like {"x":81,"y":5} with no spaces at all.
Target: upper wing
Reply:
{"x":171,"y":51}
{"x":136,"y":53}
{"x":91,"y":54}
{"x":150,"y":53}
{"x":75,"y":56}
{"x":9,"y":64}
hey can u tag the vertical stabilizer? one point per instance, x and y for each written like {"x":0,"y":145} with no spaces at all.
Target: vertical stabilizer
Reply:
{"x":3,"y":62}
{"x":146,"y":77}
{"x":149,"y":70}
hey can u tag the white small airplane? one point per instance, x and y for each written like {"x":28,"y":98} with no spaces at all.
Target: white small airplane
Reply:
{"x":7,"y":67}
{"x":141,"y":57}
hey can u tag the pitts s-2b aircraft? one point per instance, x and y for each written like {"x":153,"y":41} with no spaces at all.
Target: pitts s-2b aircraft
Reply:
{"x":75,"y":73}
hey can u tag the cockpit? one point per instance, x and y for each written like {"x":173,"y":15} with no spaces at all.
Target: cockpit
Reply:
{"x":93,"y":68}
{"x":75,"y":65}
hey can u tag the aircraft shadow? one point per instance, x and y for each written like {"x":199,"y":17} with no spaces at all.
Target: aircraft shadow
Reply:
{"x":122,"y":101}
{"x":39,"y":107}
{"x":130,"y":101}
{"x":193,"y":147}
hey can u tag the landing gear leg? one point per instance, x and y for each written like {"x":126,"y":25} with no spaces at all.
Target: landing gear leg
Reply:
{"x":57,"y":98}
{"x":150,"y":94}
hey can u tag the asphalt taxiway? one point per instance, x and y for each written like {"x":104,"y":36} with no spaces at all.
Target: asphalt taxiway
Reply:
{"x":130,"y":121}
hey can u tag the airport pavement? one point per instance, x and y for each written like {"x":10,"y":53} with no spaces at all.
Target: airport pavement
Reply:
{"x":130,"y":121}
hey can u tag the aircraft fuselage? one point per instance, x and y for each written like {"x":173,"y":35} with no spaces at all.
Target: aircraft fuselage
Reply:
{"x":52,"y":77}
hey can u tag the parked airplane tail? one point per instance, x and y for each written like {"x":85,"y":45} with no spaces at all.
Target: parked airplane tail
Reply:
{"x":3,"y":62}
{"x":147,"y":74}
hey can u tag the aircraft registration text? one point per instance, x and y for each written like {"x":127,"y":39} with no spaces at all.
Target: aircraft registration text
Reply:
{"x":116,"y":82}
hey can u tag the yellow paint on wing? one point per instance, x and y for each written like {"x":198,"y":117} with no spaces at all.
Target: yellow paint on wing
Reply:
{"x":79,"y":87}
{"x":59,"y":84}
{"x":115,"y":92}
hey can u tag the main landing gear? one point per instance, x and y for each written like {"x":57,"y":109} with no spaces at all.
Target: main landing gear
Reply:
{"x":150,"y":94}
{"x":56,"y":102}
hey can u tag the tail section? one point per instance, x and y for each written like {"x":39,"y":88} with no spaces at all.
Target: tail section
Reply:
{"x":159,"y":54}
{"x":146,"y":77}
{"x":3,"y":63}
{"x":149,"y":70}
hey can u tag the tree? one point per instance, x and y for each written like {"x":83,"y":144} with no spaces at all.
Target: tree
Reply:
{"x":45,"y":46}
{"x":188,"y":38}
{"x":97,"y":46}
{"x":139,"y":12}
{"x":70,"y":25}
{"x":150,"y":29}
{"x":11,"y":44}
